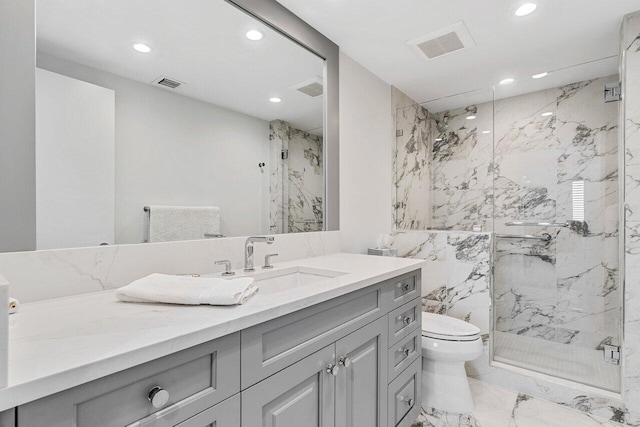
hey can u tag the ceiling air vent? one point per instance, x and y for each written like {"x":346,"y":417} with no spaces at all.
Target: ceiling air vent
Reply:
{"x":167,"y":82}
{"x":442,"y":42}
{"x":313,"y":88}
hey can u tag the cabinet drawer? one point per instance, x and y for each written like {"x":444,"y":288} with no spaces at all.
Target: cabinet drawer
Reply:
{"x":404,"y":320}
{"x":404,"y":353}
{"x":224,"y":414}
{"x":272,"y":346}
{"x":404,"y":396}
{"x":404,"y":288}
{"x":195,"y":379}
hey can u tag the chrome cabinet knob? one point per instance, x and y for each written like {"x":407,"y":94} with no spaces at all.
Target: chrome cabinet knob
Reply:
{"x":404,"y":286}
{"x":158,"y":397}
{"x":344,"y":361}
{"x":404,"y":351}
{"x":406,"y":320}
{"x":409,"y":401}
{"x":333,"y":370}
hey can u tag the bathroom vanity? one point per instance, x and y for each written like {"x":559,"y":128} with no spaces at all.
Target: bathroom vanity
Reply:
{"x":342,"y":351}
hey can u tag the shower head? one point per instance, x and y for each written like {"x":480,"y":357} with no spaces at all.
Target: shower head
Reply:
{"x":440,"y":125}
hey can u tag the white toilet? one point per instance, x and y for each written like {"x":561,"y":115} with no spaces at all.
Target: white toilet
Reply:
{"x":447,"y":343}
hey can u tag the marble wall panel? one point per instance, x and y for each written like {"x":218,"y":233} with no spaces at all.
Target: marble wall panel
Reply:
{"x":411,"y":163}
{"x":306,"y":182}
{"x":39,"y":275}
{"x":296,"y":184}
{"x":457,"y":277}
{"x":538,"y":157}
{"x":462,"y":173}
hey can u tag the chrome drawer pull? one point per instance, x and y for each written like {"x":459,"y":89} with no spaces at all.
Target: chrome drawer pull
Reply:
{"x":333,"y":370}
{"x":158,"y":397}
{"x":406,"y":320}
{"x":409,"y":401}
{"x":404,"y":351}
{"x":404,"y":286}
{"x":344,"y":361}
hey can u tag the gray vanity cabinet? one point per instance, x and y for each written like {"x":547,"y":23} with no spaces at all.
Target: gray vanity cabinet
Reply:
{"x":342,"y":385}
{"x":192,"y":381}
{"x":352,"y":361}
{"x":361,"y":384}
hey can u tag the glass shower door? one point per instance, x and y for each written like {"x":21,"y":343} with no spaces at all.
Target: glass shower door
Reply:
{"x":556,"y":286}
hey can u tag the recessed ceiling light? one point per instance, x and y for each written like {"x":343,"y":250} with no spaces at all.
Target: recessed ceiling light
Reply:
{"x":486,"y":131}
{"x":142,"y":48}
{"x":471,"y":117}
{"x":526,"y":9}
{"x":254,"y":35}
{"x":539,"y":76}
{"x":507,"y":81}
{"x":438,"y":139}
{"x":547,"y":114}
{"x":275,"y":99}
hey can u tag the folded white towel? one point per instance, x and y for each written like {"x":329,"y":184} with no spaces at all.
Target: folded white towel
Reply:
{"x":188,"y":290}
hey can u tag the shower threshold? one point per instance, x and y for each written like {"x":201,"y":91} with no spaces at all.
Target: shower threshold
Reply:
{"x":569,"y":362}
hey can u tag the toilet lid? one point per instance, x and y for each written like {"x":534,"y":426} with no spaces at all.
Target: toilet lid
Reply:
{"x":448,"y":328}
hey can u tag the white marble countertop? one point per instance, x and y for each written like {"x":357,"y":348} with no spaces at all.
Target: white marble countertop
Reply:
{"x":61,"y":343}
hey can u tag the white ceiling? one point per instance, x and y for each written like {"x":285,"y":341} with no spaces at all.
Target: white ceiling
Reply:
{"x":199,"y":42}
{"x":559,"y":34}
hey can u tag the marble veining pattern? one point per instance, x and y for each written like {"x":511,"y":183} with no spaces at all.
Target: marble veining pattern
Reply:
{"x":462,"y":174}
{"x":411,"y":163}
{"x":631,"y":48}
{"x":500,"y":407}
{"x":296,"y":182}
{"x":84,"y":270}
{"x":458,"y":266}
{"x":306,"y":182}
{"x":565,"y":290}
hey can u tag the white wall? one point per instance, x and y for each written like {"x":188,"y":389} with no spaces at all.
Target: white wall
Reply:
{"x":75,"y":162}
{"x":365,"y":156}
{"x":174,"y":150}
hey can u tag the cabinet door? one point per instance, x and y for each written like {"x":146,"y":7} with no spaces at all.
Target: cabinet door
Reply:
{"x":361,"y":384}
{"x":300,"y":395}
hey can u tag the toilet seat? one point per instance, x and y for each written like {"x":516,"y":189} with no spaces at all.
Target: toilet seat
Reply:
{"x":441,"y":327}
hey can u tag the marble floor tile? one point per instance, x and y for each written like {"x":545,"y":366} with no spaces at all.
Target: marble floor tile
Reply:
{"x":493,"y":404}
{"x":532,"y":412}
{"x":499,"y":407}
{"x":552,"y":358}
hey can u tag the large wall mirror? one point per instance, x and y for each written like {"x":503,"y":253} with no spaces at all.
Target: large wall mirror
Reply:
{"x":163,"y":121}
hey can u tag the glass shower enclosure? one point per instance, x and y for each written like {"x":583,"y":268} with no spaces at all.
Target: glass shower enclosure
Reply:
{"x":556,"y":283}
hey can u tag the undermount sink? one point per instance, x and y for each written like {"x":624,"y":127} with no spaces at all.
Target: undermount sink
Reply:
{"x":285,"y":279}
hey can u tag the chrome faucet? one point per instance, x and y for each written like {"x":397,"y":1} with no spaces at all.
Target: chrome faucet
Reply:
{"x":248,"y":250}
